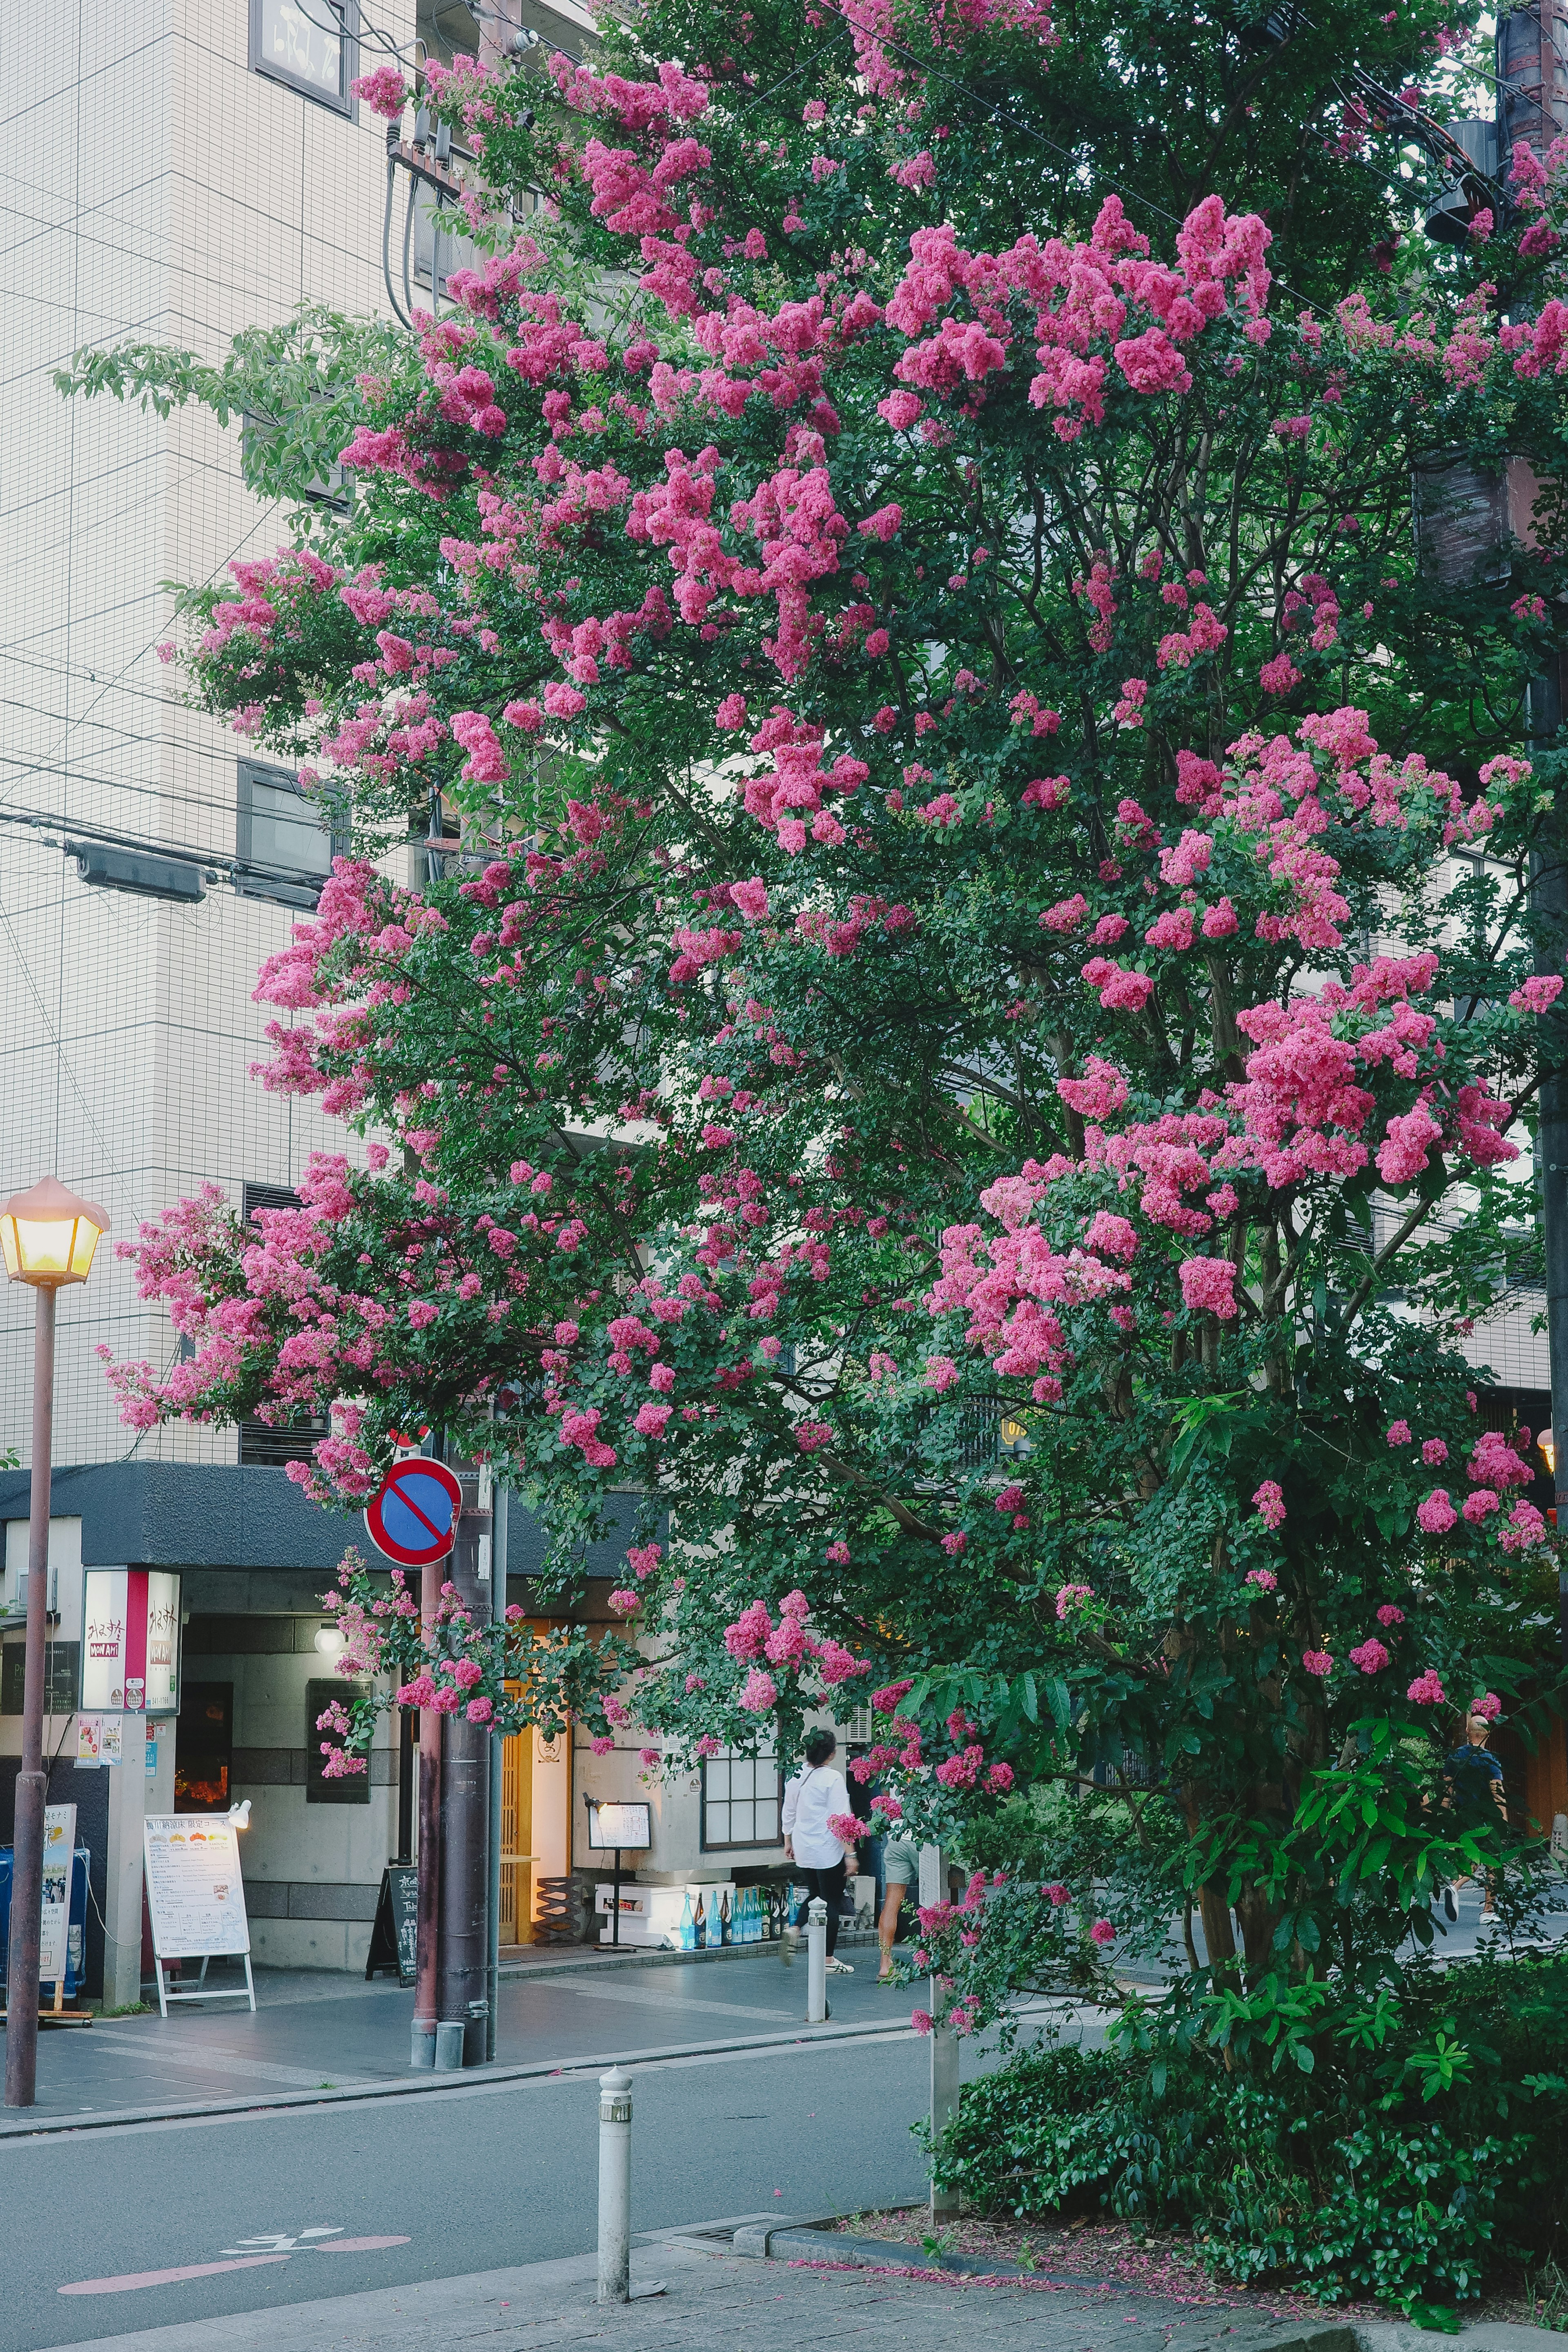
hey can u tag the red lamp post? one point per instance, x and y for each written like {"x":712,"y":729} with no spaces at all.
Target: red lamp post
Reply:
{"x":48,"y":1237}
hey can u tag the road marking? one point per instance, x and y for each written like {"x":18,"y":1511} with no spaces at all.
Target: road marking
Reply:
{"x":323,"y":2239}
{"x":220,"y":2062}
{"x":646,"y":1993}
{"x":279,"y":2242}
{"x":133,"y":2279}
{"x":358,"y":2245}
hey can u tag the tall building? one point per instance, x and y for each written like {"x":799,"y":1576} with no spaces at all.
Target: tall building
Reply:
{"x":178,"y":173}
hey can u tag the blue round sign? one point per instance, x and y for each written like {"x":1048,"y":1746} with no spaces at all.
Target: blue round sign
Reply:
{"x":412,"y":1517}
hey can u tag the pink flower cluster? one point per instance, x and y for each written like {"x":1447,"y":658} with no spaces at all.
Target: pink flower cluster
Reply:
{"x":789,"y":1647}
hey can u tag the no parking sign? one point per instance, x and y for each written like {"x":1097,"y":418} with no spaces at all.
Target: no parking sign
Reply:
{"x":413,"y":1517}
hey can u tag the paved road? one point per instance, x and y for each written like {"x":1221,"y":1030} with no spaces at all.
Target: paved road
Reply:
{"x":313,"y":2030}
{"x":436,"y":2184}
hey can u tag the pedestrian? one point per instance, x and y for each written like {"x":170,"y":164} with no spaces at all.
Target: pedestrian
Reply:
{"x":1473,"y":1775}
{"x":813,"y":1795}
{"x":902,"y":1863}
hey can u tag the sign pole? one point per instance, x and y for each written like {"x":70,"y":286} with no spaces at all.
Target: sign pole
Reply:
{"x":412,"y":1518}
{"x":422,"y":2046}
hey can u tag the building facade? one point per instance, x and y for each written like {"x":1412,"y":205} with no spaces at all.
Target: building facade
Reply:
{"x":178,"y":173}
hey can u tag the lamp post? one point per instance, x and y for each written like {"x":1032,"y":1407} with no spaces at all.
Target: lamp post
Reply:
{"x":48,"y":1237}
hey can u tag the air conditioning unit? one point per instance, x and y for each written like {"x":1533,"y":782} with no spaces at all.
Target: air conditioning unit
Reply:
{"x":137,"y":871}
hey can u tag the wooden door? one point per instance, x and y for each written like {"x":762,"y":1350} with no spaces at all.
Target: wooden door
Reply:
{"x":516,"y":1837}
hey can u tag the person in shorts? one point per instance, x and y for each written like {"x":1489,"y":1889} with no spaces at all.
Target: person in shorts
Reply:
{"x":1473,"y":1779}
{"x":901,"y":1865}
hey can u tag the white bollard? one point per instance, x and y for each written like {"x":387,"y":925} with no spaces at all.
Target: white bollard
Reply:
{"x":944,"y":2202}
{"x":815,"y":1961}
{"x":614,"y":2185}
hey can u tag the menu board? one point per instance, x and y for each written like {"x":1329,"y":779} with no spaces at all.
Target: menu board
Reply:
{"x":131,"y":1640}
{"x":54,"y":1926}
{"x":194,"y":1895}
{"x":616,"y":1825}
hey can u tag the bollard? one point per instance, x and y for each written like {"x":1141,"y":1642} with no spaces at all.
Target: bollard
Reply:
{"x":614,"y":2185}
{"x":448,"y":2056}
{"x":944,"y":2202}
{"x":817,"y":1962}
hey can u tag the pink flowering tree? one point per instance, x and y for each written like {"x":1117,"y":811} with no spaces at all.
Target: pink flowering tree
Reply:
{"x":500,"y":1676}
{"x":976,"y":1048}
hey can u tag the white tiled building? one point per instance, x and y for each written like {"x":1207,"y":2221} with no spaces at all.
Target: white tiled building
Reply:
{"x":174,"y":173}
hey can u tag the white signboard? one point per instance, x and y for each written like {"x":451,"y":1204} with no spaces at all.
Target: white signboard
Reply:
{"x":59,"y":1846}
{"x":131,"y":1640}
{"x":194,"y":1895}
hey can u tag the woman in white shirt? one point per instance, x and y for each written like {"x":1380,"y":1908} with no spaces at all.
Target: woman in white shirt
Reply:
{"x":814,"y":1793}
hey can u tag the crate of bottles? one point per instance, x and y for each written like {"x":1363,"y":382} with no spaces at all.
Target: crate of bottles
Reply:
{"x":692,"y":1919}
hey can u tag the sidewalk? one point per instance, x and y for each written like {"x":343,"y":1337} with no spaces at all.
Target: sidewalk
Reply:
{"x":714,"y":2303}
{"x":688,"y":2300}
{"x":317,"y":2034}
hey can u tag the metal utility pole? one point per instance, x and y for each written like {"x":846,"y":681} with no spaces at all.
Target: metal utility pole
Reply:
{"x":48,"y":1237}
{"x":462,"y":1966}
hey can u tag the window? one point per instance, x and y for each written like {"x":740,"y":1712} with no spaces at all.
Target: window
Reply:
{"x":310,"y":44}
{"x":740,"y":1797}
{"x":203,"y":1748}
{"x":262,"y":1444}
{"x":62,"y":1677}
{"x":283,"y":848}
{"x":354,"y":1789}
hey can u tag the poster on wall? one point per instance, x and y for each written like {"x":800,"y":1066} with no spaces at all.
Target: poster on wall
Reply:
{"x":53,"y":1928}
{"x":194,"y":1895}
{"x":131,"y":1640}
{"x":98,"y":1740}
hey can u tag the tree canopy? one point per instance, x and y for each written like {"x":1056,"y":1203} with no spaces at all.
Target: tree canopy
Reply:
{"x":979,"y":1059}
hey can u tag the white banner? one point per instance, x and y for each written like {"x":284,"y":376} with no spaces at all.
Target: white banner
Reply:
{"x":54,"y":1929}
{"x":195,"y":1893}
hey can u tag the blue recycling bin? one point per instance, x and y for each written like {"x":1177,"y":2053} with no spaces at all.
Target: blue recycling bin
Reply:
{"x":76,"y":1939}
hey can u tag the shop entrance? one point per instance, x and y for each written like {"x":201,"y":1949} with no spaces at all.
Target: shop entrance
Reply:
{"x":535,"y":1831}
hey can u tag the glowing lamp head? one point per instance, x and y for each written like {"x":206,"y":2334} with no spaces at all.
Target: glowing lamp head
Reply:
{"x":329,"y":1641}
{"x":49,"y":1236}
{"x":1548,"y":1445}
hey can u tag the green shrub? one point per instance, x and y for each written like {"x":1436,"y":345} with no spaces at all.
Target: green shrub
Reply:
{"x":1408,"y":2167}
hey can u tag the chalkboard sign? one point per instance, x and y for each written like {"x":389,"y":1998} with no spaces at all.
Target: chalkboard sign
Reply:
{"x":395,"y":1936}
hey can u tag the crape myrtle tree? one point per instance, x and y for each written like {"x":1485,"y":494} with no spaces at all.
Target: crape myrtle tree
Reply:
{"x":980,"y":1063}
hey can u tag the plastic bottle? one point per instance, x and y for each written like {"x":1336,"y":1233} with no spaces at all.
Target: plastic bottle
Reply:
{"x":687,"y":1929}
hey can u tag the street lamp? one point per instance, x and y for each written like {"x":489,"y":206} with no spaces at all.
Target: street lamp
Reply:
{"x":48,"y":1237}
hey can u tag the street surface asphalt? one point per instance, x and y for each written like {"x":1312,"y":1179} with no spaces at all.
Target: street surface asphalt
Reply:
{"x":435,"y":2183}
{"x":181,"y":2219}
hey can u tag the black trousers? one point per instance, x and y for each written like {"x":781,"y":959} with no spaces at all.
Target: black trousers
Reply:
{"x":829,"y":1885}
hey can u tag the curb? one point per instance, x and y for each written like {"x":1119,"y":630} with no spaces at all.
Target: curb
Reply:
{"x":471,"y":2078}
{"x":1480,"y":2336}
{"x":794,"y":2238}
{"x":795,"y":2244}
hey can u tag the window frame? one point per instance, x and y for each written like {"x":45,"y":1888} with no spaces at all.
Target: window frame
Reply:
{"x":345,"y":105}
{"x":247,"y":883}
{"x":740,"y":1845}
